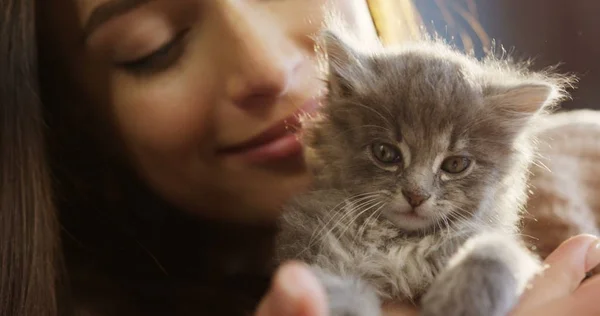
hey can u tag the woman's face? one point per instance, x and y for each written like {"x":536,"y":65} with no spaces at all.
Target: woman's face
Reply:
{"x":201,"y":92}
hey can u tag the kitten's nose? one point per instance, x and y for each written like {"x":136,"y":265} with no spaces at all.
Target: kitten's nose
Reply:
{"x":415,"y":197}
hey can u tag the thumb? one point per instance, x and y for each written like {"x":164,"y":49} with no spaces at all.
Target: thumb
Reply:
{"x":295,"y":291}
{"x":565,"y":269}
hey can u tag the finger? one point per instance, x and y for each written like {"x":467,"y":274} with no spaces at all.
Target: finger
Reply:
{"x":586,"y":299}
{"x":574,"y":258}
{"x":295,"y":291}
{"x":593,"y":256}
{"x":589,"y":291}
{"x":566,"y":306}
{"x":566,"y":268}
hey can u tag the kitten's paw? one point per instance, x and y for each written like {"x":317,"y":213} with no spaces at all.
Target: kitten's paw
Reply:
{"x":476,"y":287}
{"x":348,"y":296}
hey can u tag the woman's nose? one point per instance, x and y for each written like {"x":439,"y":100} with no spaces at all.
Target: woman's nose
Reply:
{"x":264,"y":62}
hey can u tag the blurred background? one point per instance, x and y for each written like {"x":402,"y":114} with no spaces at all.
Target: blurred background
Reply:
{"x":550,"y":31}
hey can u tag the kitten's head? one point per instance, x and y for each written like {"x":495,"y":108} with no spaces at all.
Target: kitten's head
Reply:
{"x":435,"y":135}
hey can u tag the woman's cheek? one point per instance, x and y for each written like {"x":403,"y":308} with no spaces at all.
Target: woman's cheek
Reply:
{"x":170,"y":113}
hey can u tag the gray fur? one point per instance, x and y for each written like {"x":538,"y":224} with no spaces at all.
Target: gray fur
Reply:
{"x":430,"y":102}
{"x":349,"y":296}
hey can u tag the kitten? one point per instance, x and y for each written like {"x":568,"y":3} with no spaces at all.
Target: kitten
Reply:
{"x":420,"y":158}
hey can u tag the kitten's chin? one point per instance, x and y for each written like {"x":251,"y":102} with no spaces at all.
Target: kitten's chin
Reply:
{"x":409,"y":221}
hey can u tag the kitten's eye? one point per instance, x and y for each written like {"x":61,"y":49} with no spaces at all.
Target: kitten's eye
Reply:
{"x":386,"y":153}
{"x":456,"y":164}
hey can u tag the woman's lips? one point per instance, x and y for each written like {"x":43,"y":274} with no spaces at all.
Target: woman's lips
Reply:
{"x":278,"y":142}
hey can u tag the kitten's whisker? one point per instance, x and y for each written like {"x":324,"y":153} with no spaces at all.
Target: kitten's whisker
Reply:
{"x":346,"y":214}
{"x":472,"y":223}
{"x":353,"y":211}
{"x":367,"y":222}
{"x":526,"y":236}
{"x":456,"y":217}
{"x":356,"y":217}
{"x":463,"y":217}
{"x":352,"y":199}
{"x":459,"y":208}
{"x":456,"y":232}
{"x":322,"y":234}
{"x":541,"y":164}
{"x":464,"y":221}
{"x":438,"y":224}
{"x":353,"y":221}
{"x":358,"y":198}
{"x":446,"y":225}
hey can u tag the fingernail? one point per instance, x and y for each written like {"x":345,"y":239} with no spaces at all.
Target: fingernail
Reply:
{"x":593,"y":256}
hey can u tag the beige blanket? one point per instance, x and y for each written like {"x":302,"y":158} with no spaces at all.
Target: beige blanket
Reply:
{"x":565,"y":185}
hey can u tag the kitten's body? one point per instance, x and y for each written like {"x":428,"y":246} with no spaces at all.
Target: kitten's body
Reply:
{"x":398,"y":266}
{"x":428,"y":106}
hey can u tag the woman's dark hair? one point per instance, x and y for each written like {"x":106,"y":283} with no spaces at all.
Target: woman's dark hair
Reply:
{"x":28,"y":226}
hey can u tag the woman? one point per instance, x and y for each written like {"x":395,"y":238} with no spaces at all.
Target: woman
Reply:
{"x":166,"y":161}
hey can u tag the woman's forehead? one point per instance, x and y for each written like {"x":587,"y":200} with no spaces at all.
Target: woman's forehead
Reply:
{"x":73,"y":20}
{"x":86,"y":7}
{"x":96,"y":11}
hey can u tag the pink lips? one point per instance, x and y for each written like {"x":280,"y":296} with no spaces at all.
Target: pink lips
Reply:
{"x":277,"y":142}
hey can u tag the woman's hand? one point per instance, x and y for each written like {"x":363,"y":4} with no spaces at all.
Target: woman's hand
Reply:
{"x":557,"y":292}
{"x":295,"y":292}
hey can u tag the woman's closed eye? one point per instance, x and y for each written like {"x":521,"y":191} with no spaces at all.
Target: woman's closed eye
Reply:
{"x":158,"y":60}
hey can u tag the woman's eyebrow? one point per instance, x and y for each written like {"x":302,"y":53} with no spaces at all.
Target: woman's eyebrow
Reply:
{"x":107,"y":11}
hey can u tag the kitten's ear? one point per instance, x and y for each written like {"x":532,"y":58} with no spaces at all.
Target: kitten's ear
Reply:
{"x":526,"y":99}
{"x":341,"y":60}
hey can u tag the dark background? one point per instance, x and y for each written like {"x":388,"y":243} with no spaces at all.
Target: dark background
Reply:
{"x":550,"y":31}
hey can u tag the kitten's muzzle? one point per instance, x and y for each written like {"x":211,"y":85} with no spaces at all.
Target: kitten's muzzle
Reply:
{"x":416,"y":197}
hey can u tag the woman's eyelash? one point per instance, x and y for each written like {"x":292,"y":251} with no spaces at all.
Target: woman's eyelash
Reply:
{"x":159,"y":59}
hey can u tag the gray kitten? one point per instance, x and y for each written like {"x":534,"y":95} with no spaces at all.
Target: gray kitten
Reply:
{"x":420,"y":158}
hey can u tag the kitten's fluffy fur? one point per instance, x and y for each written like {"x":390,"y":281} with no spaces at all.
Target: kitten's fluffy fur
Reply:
{"x":461,"y":256}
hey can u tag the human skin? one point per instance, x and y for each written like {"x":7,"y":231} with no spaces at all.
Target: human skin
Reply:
{"x":234,"y":69}
{"x":555,"y":292}
{"x":228,"y":70}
